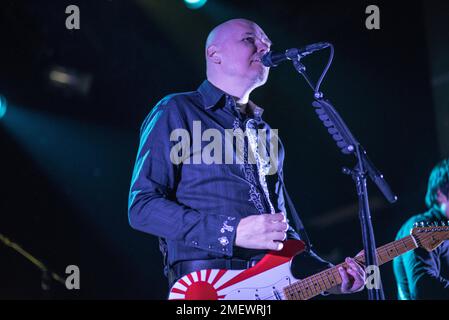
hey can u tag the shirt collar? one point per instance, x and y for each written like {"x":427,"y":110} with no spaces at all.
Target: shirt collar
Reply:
{"x":255,"y":109}
{"x":211,"y":95}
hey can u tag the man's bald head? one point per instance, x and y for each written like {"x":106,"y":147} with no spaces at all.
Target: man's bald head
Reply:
{"x":220,"y":32}
{"x":233,"y":52}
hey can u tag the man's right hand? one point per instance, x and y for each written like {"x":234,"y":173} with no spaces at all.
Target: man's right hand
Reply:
{"x":264,"y":231}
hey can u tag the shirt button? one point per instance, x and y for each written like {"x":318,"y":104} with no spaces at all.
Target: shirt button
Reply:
{"x":195,"y":243}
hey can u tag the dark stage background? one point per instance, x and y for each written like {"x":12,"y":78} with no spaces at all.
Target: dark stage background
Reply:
{"x":67,"y":154}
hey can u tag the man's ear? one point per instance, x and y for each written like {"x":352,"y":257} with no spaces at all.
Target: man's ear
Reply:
{"x":441,"y":197}
{"x":212,"y":54}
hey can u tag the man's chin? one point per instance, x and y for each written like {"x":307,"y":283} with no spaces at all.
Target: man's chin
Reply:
{"x":262,"y":77}
{"x":263,"y":80}
{"x":257,"y":76}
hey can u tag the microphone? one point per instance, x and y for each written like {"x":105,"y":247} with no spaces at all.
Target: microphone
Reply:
{"x":272,"y":59}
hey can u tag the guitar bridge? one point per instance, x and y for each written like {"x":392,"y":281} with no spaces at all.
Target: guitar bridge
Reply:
{"x":276,"y":294}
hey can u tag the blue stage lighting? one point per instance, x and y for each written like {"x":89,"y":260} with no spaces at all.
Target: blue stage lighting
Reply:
{"x":195,"y":4}
{"x":3,"y":106}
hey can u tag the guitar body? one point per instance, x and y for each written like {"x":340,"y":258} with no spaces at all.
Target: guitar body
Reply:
{"x":264,"y":281}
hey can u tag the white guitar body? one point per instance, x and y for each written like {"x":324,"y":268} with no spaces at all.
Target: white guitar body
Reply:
{"x":265,"y":281}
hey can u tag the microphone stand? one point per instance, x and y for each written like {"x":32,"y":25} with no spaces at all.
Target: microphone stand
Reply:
{"x":364,"y":167}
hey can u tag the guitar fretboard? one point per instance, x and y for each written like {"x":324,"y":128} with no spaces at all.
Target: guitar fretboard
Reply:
{"x":312,"y":286}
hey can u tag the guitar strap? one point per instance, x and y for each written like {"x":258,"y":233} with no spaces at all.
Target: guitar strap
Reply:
{"x":298,"y":223}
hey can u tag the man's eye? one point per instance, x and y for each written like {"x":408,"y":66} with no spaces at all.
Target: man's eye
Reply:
{"x":249,"y":39}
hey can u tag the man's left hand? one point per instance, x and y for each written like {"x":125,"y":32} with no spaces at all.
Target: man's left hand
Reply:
{"x":353,"y":277}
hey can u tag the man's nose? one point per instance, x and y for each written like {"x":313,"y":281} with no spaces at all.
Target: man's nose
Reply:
{"x":262,"y":48}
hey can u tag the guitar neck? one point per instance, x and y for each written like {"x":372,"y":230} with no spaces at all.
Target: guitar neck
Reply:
{"x":325,"y":280}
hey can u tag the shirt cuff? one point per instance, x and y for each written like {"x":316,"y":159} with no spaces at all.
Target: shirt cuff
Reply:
{"x":220,"y":235}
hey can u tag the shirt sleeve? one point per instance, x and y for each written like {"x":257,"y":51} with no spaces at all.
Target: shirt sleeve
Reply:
{"x":152,"y":204}
{"x":423,"y":271}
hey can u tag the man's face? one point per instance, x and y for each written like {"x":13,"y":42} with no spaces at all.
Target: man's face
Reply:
{"x":241,"y":50}
{"x":443,"y":200}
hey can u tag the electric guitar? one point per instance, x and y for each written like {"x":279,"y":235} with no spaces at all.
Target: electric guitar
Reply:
{"x":271,"y":278}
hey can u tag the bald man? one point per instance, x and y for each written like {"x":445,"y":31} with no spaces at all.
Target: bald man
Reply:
{"x":218,"y":214}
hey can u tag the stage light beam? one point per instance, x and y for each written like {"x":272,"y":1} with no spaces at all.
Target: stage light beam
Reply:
{"x":194,"y":4}
{"x":3,"y":106}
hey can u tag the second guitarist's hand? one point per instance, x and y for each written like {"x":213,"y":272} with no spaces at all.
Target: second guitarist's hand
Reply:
{"x":262,"y":231}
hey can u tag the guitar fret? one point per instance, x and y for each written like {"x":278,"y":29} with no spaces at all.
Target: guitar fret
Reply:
{"x":387,"y":255}
{"x":294,"y":292}
{"x":335,"y":282}
{"x":404,"y":243}
{"x":396,"y":248}
{"x":316,"y":284}
{"x":309,"y":287}
{"x":290,"y":292}
{"x":312,"y":286}
{"x":337,"y":277}
{"x":324,"y":278}
{"x":298,"y":294}
{"x":304,"y":289}
{"x":305,"y":294}
{"x":379,"y":258}
{"x":301,"y":291}
{"x":404,"y":246}
{"x":390,"y":250}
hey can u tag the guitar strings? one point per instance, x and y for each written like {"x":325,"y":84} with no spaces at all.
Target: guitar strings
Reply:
{"x":386,"y":248}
